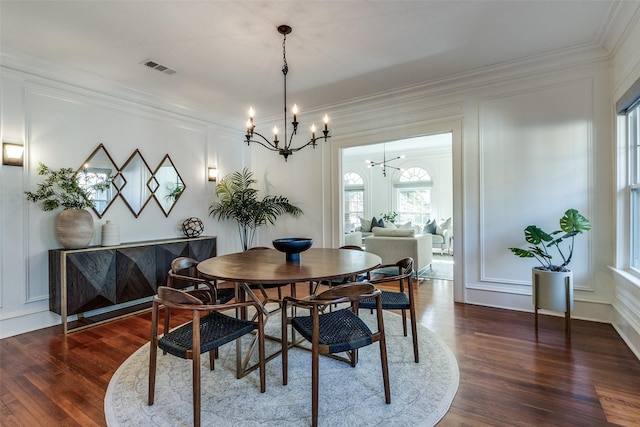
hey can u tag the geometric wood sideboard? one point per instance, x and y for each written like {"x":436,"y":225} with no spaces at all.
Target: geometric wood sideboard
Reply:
{"x":81,"y":280}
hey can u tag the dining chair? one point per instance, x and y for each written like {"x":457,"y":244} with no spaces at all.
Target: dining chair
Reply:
{"x":208,"y":329}
{"x":342,"y":281}
{"x":183,"y":274}
{"x":403,"y":299}
{"x":332,"y":332}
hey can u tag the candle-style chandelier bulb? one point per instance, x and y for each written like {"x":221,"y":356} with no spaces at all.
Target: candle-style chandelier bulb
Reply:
{"x":285,"y":150}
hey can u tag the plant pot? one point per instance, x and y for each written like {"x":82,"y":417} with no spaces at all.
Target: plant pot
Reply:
{"x":74,"y":228}
{"x":552,"y":288}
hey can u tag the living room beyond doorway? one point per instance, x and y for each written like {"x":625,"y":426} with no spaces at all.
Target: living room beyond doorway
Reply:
{"x":403,"y":183}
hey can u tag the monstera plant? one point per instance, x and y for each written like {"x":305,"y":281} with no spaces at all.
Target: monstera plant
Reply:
{"x":552,"y":283}
{"x":571,"y":224}
{"x":239,"y":201}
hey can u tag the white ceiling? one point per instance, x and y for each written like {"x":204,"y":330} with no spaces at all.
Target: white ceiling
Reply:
{"x":228,"y":53}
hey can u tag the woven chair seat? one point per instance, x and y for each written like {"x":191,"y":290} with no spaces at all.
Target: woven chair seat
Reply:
{"x":340,"y":330}
{"x":216,"y":329}
{"x":225,"y":295}
{"x":390,"y":301}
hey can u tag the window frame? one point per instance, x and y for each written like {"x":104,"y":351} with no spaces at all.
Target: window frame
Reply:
{"x":346,"y":190}
{"x":632,"y":115}
{"x":628,"y":181}
{"x":408,"y":183}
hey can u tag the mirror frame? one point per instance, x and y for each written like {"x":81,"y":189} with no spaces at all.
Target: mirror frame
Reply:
{"x":115,"y":190}
{"x":184,"y":186}
{"x":144,"y":203}
{"x":119,"y":178}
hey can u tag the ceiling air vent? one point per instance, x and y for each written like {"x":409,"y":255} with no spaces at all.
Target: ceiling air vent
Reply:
{"x":162,"y":68}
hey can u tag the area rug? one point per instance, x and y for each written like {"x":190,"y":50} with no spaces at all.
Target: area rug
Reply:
{"x":420,"y":393}
{"x":441,"y":268}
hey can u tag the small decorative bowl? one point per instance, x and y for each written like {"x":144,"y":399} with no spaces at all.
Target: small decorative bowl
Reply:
{"x":292,"y":246}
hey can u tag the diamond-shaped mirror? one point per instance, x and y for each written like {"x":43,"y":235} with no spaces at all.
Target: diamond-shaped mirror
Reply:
{"x":170,"y":185}
{"x":136,"y":175}
{"x":98,"y":168}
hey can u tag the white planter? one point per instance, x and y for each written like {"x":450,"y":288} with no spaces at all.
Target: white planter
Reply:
{"x":552,"y":289}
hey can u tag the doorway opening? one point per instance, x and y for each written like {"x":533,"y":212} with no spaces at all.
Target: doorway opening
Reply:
{"x":405,"y":183}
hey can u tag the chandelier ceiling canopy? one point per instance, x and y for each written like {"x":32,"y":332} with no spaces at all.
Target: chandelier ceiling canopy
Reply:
{"x":285,"y":149}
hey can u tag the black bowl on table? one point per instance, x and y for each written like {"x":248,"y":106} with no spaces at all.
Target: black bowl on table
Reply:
{"x":292,"y":246}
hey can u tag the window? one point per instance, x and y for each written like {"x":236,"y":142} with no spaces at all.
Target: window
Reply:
{"x":633,"y":120}
{"x":413,"y":195}
{"x":353,"y":200}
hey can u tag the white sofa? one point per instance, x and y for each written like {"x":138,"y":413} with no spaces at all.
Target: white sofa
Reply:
{"x":393,"y":245}
{"x":442,"y":235}
{"x":354,"y":238}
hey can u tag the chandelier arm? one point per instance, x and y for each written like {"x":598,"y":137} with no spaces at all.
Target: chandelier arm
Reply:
{"x":301,"y":147}
{"x":270,"y":145}
{"x":264,"y":138}
{"x":311,"y":141}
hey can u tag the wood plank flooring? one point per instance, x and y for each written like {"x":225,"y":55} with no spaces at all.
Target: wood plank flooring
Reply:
{"x":508,"y":375}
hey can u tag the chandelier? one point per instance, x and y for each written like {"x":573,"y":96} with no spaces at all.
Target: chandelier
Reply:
{"x":384,"y":164}
{"x":284,"y":150}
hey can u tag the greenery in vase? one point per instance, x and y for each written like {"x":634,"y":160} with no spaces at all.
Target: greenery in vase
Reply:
{"x":239,"y":202}
{"x":571,"y":224}
{"x":61,"y":188}
{"x":389,"y":216}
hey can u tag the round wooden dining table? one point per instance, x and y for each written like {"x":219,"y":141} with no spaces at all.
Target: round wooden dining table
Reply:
{"x":263,"y":267}
{"x":270,"y":266}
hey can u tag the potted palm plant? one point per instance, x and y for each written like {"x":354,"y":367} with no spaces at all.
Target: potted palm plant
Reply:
{"x":61,"y":189}
{"x":239,"y":202}
{"x":549,"y":278}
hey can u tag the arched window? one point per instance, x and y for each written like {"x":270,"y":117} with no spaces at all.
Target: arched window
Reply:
{"x":413,"y":196}
{"x":414,"y":174}
{"x":353,"y":200}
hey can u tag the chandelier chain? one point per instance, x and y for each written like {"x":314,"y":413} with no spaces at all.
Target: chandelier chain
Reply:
{"x":285,"y":67}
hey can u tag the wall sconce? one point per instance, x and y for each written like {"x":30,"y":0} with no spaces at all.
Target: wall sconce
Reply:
{"x":213,"y":174}
{"x":12,"y":154}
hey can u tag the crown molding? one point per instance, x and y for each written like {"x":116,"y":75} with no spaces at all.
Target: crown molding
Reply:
{"x":39,"y":71}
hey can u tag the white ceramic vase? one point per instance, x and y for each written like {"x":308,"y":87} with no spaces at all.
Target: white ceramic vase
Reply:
{"x":110,"y":234}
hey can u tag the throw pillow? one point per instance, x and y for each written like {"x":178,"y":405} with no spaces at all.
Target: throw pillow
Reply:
{"x":388,"y":232}
{"x":376,"y":223}
{"x":443,"y":226}
{"x":406,"y":225}
{"x":365,"y":225}
{"x":390,"y":225}
{"x":430,"y":227}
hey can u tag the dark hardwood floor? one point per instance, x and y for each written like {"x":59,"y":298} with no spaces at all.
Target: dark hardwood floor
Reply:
{"x":508,"y":375}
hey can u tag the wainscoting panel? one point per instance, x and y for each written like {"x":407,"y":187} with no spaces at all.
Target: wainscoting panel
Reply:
{"x":535,"y":155}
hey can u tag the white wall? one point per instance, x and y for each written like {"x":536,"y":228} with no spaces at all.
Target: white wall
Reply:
{"x":530,"y":141}
{"x":60,"y":126}
{"x":533,"y":146}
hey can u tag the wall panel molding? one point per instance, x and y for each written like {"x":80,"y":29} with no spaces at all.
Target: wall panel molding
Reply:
{"x":530,"y":123}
